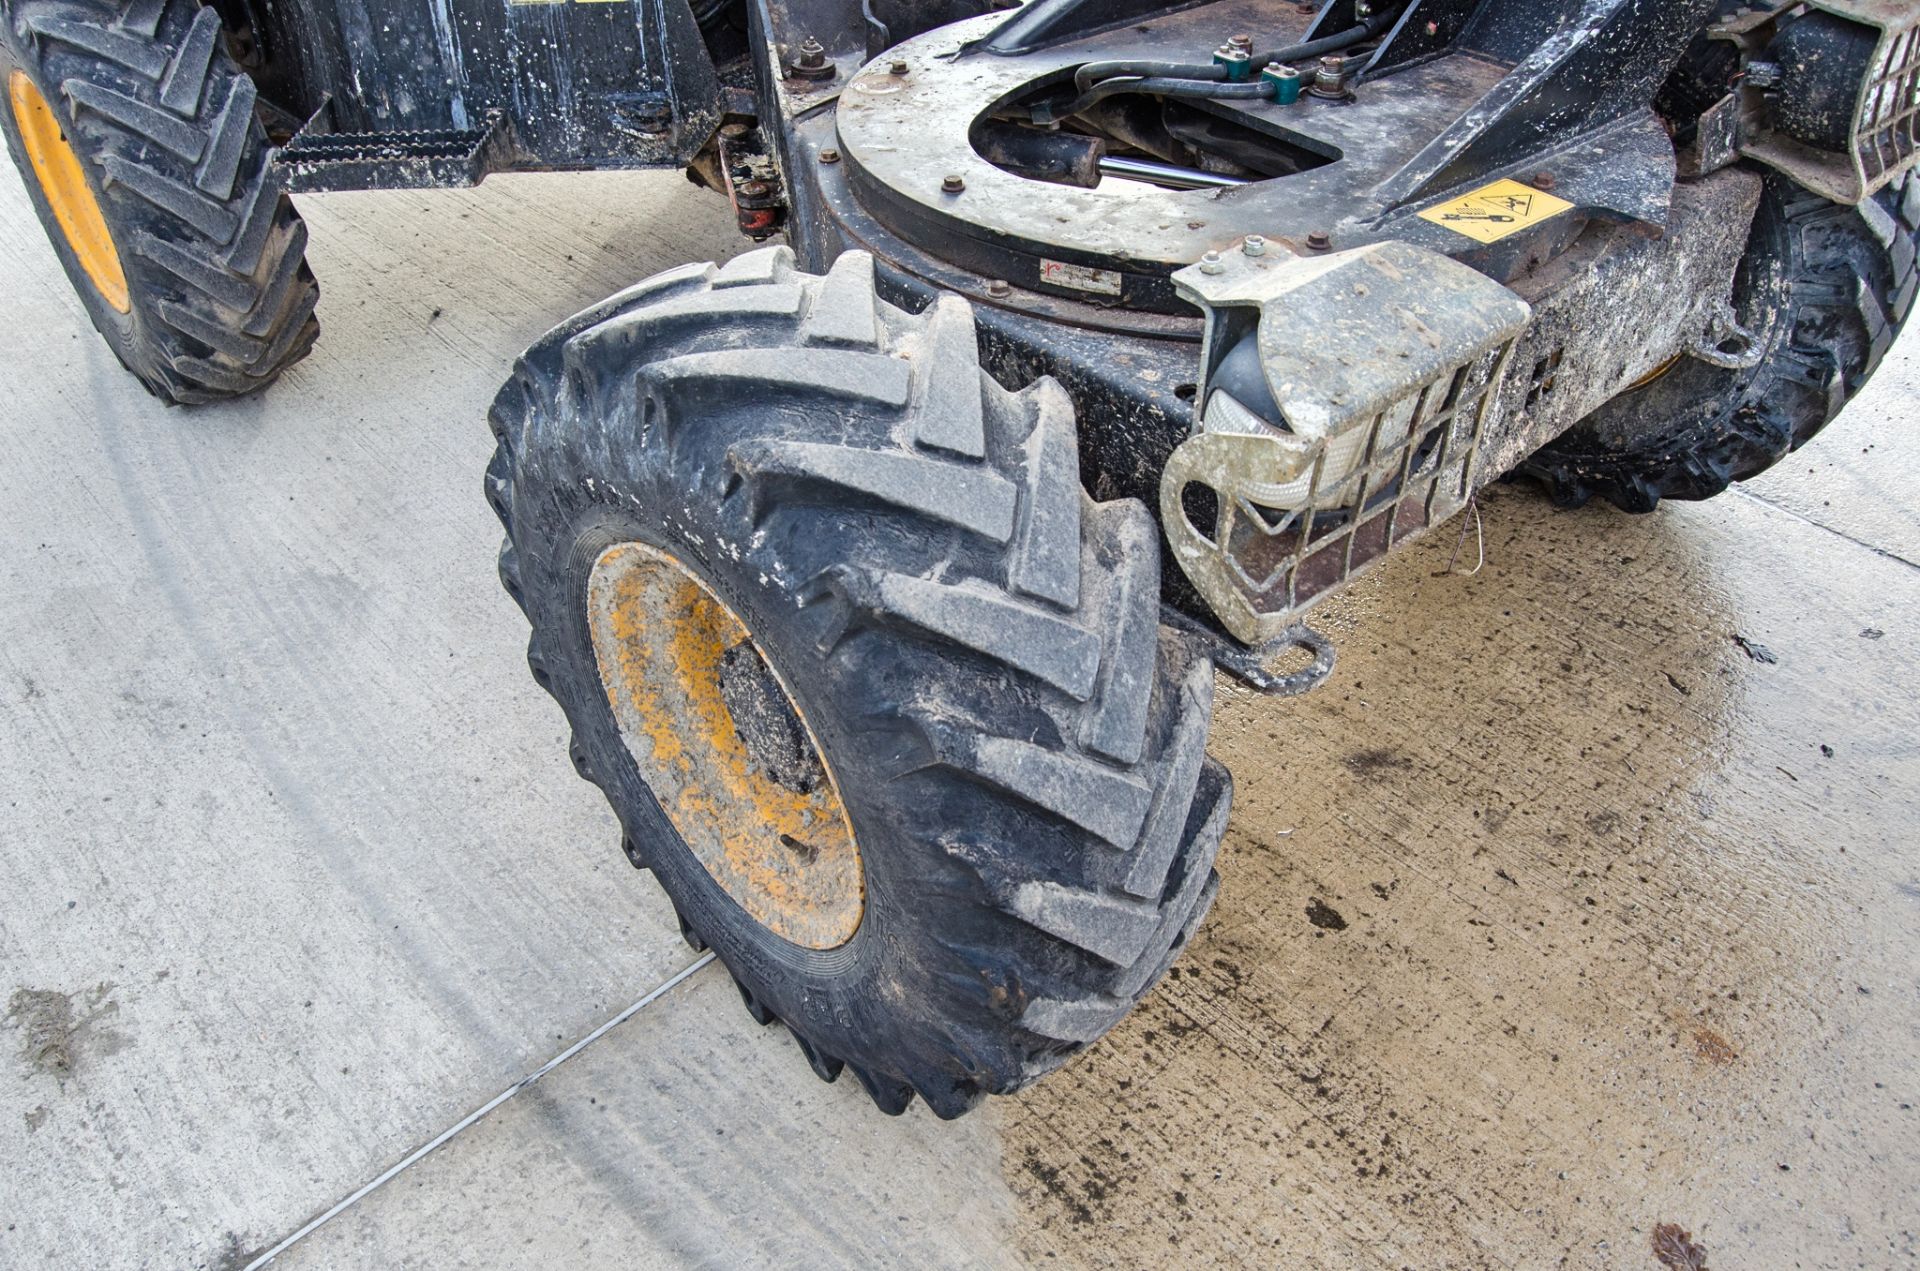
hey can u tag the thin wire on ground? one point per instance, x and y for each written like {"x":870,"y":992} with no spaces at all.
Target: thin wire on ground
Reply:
{"x":447,"y":1135}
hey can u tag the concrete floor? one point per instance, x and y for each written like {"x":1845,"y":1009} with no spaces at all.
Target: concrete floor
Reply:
{"x":1559,"y":915}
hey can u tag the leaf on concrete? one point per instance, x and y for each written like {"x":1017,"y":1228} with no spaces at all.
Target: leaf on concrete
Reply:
{"x":1674,"y":1247}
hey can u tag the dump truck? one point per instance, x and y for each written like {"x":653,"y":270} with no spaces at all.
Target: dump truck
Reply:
{"x":883,"y":573}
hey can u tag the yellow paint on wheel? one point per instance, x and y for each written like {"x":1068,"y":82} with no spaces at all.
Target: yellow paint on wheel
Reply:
{"x":64,"y":181}
{"x":786,"y":856}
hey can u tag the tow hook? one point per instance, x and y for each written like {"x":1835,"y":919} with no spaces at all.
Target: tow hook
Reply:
{"x":1254,"y":665}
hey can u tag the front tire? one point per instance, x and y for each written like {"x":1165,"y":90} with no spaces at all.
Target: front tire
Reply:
{"x":136,"y":136}
{"x":971,"y":644}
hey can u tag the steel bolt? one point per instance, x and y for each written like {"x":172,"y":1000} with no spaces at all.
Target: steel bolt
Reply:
{"x":999,"y":288}
{"x":897,"y":68}
{"x":1212,"y":264}
{"x":1319,"y":240}
{"x":953,"y":183}
{"x":829,"y":155}
{"x":1256,"y":245}
{"x":1330,"y":80}
{"x":1242,"y":42}
{"x":1544,"y":180}
{"x":810,"y":62}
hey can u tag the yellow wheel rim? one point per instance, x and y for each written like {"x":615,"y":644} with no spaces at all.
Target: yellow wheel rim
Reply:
{"x":64,"y":181}
{"x":776,"y":839}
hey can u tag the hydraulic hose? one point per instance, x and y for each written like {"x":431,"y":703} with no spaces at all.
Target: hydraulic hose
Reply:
{"x":1159,"y":87}
{"x":1326,"y":44}
{"x":1092,"y":72}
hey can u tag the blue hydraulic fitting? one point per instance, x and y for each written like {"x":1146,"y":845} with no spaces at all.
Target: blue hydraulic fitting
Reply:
{"x":1283,"y":82}
{"x":1238,"y":62}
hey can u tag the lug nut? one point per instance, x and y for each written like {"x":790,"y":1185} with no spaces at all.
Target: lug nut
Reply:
{"x":1212,"y":264}
{"x":1255,"y":245}
{"x":1319,"y":240}
{"x":952,"y":183}
{"x":999,"y":288}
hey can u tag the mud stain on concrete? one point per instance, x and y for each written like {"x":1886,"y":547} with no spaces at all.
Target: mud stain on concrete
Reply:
{"x":1375,"y":763}
{"x":1565,"y":886}
{"x":235,"y":1253}
{"x":1713,"y":1048}
{"x":57,"y":1035}
{"x":1325,"y":916}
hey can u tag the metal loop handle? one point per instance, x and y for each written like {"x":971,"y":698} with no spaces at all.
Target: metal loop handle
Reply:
{"x":1251,"y":665}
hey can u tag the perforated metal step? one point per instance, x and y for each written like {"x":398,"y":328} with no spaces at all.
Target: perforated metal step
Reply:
{"x":315,"y":162}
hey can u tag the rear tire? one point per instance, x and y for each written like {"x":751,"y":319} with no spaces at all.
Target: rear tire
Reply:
{"x":972,"y":642}
{"x":219,"y":298}
{"x":1825,"y":288}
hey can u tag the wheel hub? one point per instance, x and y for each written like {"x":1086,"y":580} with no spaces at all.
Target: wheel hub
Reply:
{"x":724,"y":748}
{"x":63,"y":180}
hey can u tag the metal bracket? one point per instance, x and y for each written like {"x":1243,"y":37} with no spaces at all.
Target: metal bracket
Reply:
{"x":1253,"y":666}
{"x":1724,"y":330}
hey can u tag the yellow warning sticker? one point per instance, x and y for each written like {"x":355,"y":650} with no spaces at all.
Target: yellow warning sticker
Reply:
{"x":1492,"y":212}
